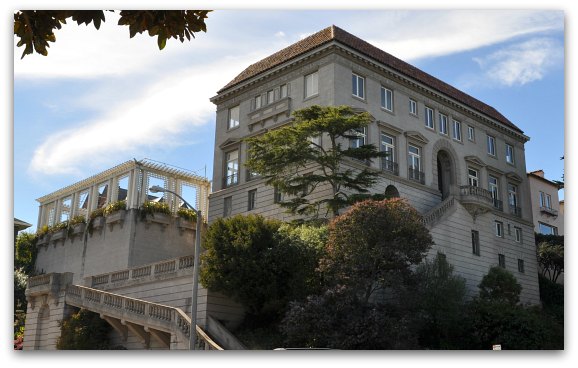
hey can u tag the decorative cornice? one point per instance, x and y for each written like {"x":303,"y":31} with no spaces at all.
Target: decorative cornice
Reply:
{"x":416,"y":136}
{"x":475,"y":160}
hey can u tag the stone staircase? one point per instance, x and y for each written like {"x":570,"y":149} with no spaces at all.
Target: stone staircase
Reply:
{"x":444,"y":208}
{"x":170,"y":326}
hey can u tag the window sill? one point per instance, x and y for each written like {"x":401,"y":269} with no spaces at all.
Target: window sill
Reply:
{"x":233,"y":128}
{"x":387,"y":111}
{"x":311,"y":97}
{"x":359,"y":98}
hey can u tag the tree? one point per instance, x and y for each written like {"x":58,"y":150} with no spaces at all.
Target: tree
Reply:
{"x":373,"y":245}
{"x":550,"y":255}
{"x":83,"y":330}
{"x":35,"y":28}
{"x":438,"y":298}
{"x":500,"y":285}
{"x":25,"y":252}
{"x":282,"y":156}
{"x":259,"y":263}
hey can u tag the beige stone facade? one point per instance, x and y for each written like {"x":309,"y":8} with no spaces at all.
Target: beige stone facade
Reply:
{"x":547,"y":209}
{"x":470,"y":183}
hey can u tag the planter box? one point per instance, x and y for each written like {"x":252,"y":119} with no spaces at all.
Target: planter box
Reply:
{"x":43,"y":240}
{"x":98,"y":223}
{"x":78,"y":228}
{"x":186,"y":225}
{"x":58,"y":235}
{"x":160,"y":218}
{"x":115,"y":218}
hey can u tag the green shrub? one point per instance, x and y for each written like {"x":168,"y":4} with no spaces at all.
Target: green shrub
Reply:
{"x":80,"y":219}
{"x":500,"y":285}
{"x":113,"y":207}
{"x":83,"y":330}
{"x":150,"y":208}
{"x":187,"y":214}
{"x":99,"y":212}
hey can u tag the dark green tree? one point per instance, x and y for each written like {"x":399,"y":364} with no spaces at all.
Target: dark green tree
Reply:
{"x":373,"y":245}
{"x":551,"y":259}
{"x":259,"y":263}
{"x":500,"y":285}
{"x":290,"y":159}
{"x":83,"y":330}
{"x":35,"y":28}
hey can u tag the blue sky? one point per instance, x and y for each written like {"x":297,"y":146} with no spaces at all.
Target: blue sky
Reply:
{"x":101,"y":98}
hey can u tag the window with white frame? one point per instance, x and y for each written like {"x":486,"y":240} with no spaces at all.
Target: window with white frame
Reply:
{"x":545,"y":200}
{"x":499,"y":228}
{"x":283,"y":91}
{"x":491,"y":145}
{"x":251,"y":199}
{"x":547,"y":229}
{"x":277,"y":195}
{"x":258,"y":102}
{"x":493,"y":187}
{"x":512,"y":195}
{"x":413,"y":106}
{"x":429,"y":118}
{"x":311,"y":84}
{"x":457,"y":132}
{"x":509,"y":154}
{"x":232,"y":167}
{"x":443,"y":122}
{"x":388,"y":146}
{"x":358,"y":139}
{"x":471,"y":134}
{"x":270,"y":96}
{"x":387,"y":99}
{"x":414,"y":158}
{"x":233,"y":117}
{"x":358,"y":86}
{"x":473,"y":176}
{"x":518,"y":234}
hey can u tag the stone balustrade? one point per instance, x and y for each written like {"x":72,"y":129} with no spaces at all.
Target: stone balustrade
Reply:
{"x":437,"y":212}
{"x":168,"y":267}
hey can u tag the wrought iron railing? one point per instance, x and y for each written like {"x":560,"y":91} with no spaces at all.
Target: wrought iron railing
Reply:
{"x":389,"y":166}
{"x":516,"y":211}
{"x":416,"y":175}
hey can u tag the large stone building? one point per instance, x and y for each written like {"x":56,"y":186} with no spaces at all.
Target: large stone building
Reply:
{"x":458,"y":161}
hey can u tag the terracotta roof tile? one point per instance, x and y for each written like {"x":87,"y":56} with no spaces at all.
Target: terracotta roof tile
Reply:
{"x":334,"y":33}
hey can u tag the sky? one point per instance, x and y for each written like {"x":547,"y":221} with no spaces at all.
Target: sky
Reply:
{"x":101,"y":98}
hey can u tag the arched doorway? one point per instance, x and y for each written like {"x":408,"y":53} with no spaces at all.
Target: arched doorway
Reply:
{"x":445,"y":173}
{"x":391,"y":192}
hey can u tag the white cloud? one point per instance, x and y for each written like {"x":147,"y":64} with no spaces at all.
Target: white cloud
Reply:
{"x":280,"y":34}
{"x":523,"y":62}
{"x":168,"y":107}
{"x":414,"y":35}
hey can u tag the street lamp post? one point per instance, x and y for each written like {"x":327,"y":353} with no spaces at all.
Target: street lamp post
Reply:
{"x":193,"y":330}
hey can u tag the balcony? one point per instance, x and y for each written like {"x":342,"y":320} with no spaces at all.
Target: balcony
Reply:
{"x":516,"y":211}
{"x":549,"y":211}
{"x":480,"y":199}
{"x":231,"y":180}
{"x":416,"y":175}
{"x":390,"y":166}
{"x":499,"y":205}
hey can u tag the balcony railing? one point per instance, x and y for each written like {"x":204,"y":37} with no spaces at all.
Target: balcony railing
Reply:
{"x":416,"y":175}
{"x":549,"y":211}
{"x":390,"y":166}
{"x":231,"y":180}
{"x":498,"y":204}
{"x":516,"y":211}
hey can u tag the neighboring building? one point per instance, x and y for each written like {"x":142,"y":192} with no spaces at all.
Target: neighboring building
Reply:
{"x":132,"y":267}
{"x":547,"y":209}
{"x":458,"y":161}
{"x":19,"y":225}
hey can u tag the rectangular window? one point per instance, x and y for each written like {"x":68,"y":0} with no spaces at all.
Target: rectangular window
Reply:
{"x":509,"y":154}
{"x":521,"y":265}
{"x":499,"y":229}
{"x":227,"y":206}
{"x":443,"y":121}
{"x":545,"y":200}
{"x":359,"y":140}
{"x":387,"y":99}
{"x":512,"y":195}
{"x":233,"y":117}
{"x":315,"y":141}
{"x":476,"y":242}
{"x":283,"y":91}
{"x":232,"y":166}
{"x":258,"y":102}
{"x":413,"y":107}
{"x":518,"y":234}
{"x":277,"y":195}
{"x":502,"y":260}
{"x":270,"y":96}
{"x":311,"y":84}
{"x":491,"y":145}
{"x":251,"y":197}
{"x":388,"y":145}
{"x":473,"y":177}
{"x":414,"y":158}
{"x":457,"y":132}
{"x":547,"y":229}
{"x":358,"y":86}
{"x":429,"y":118}
{"x":471,"y":134}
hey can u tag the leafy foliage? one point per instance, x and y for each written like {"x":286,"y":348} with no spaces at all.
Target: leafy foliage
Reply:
{"x":257,"y":263}
{"x":282,"y":156}
{"x":25,"y":252}
{"x":84,"y":330}
{"x":500,"y":285}
{"x":437,"y":299}
{"x":551,"y":259}
{"x":35,"y":28}
{"x":187,"y":214}
{"x":552,"y":297}
{"x":113,"y":207}
{"x":373,"y":245}
{"x":99,"y":212}
{"x":150,"y":208}
{"x":80,"y":219}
